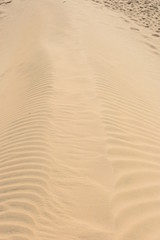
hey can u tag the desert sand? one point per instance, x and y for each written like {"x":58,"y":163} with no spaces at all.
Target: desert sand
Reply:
{"x":79,"y":121}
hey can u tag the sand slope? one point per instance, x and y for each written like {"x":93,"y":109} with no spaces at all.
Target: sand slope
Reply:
{"x":79,"y":124}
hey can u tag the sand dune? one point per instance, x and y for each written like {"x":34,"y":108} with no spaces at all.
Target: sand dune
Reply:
{"x":79,"y":123}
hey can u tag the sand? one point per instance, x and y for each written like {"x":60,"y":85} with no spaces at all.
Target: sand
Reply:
{"x":79,"y":123}
{"x":143,"y":12}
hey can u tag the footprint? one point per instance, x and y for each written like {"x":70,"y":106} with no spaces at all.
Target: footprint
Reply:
{"x":145,"y":36}
{"x":155,"y":35}
{"x":125,"y":20}
{"x":150,"y":45}
{"x":135,"y":29}
{"x":121,"y":28}
{"x":156,"y":53}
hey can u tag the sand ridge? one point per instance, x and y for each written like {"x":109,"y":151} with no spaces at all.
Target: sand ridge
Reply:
{"x":79,"y":124}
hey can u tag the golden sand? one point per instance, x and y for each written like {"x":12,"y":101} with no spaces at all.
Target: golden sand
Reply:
{"x":79,"y":123}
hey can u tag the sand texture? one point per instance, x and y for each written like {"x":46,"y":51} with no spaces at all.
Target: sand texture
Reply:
{"x":79,"y":122}
{"x":144,"y":12}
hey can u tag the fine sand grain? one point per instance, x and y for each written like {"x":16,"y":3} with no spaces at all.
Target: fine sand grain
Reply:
{"x":79,"y":123}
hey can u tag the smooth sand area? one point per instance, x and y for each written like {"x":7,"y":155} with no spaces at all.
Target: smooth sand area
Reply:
{"x":79,"y":123}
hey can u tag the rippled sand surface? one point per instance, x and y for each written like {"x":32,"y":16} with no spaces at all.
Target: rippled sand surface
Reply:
{"x":79,"y":122}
